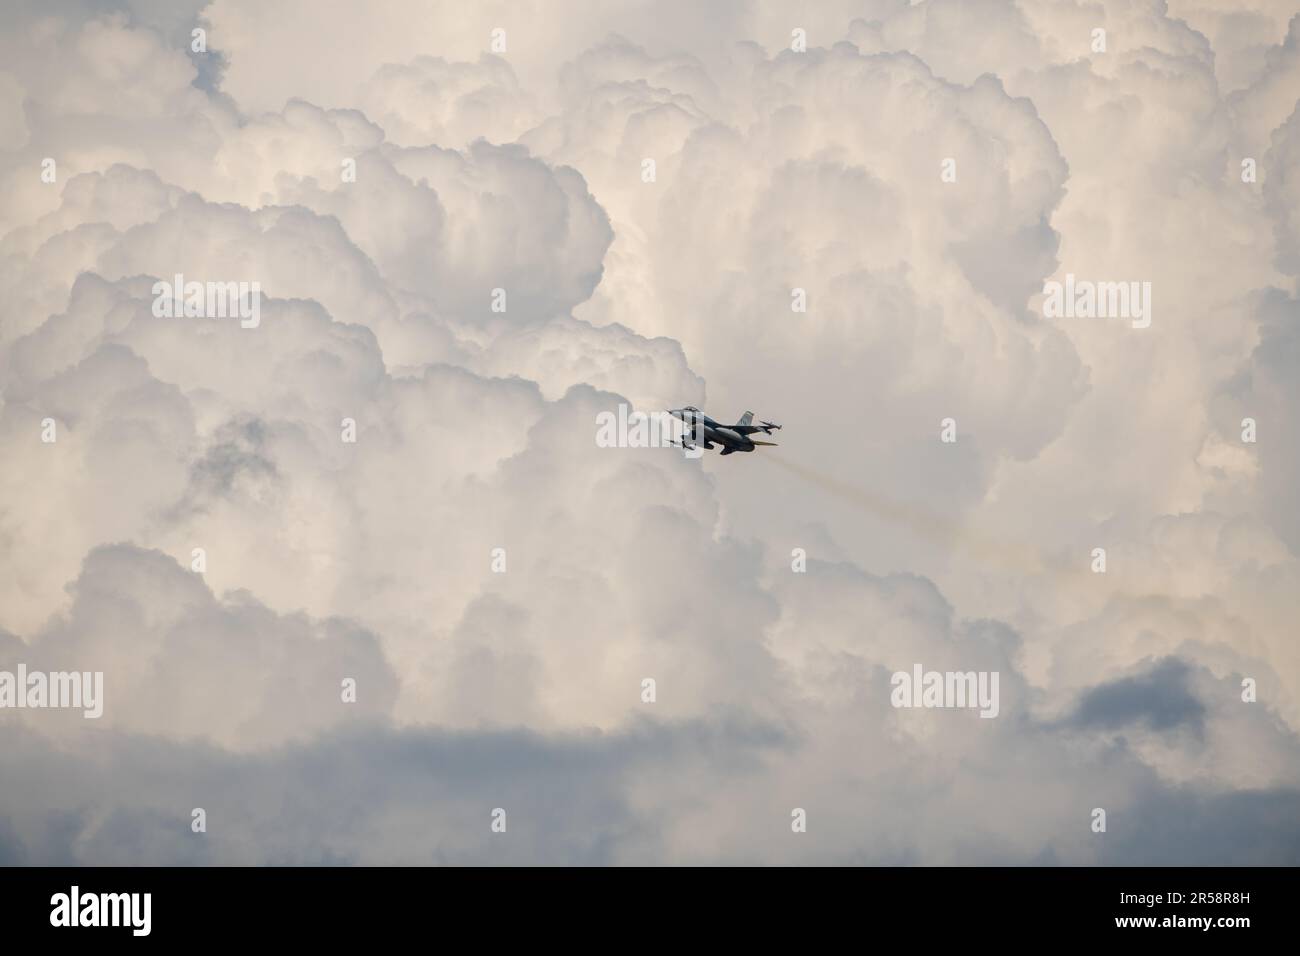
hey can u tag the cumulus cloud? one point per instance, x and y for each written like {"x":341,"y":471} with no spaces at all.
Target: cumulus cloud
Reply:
{"x":470,"y":245}
{"x":181,"y":664}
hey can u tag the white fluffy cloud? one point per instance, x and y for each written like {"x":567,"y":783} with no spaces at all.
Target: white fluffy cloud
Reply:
{"x":523,"y":170}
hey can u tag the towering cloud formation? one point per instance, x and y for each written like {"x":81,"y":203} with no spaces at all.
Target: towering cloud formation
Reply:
{"x":361,"y":574}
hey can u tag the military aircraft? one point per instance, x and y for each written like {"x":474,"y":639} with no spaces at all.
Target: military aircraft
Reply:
{"x":703,"y":429}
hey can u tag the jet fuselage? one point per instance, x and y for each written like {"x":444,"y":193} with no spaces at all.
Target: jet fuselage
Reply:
{"x":703,"y":430}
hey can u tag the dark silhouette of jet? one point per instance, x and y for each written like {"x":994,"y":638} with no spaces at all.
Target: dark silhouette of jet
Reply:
{"x":703,"y":430}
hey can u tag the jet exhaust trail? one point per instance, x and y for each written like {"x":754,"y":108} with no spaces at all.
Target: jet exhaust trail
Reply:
{"x":926,"y":524}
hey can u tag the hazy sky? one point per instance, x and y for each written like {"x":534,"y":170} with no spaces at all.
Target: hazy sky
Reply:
{"x":654,"y":188}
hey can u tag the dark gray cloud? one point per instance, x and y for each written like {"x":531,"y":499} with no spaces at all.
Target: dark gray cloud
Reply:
{"x":1160,"y":699}
{"x":378,"y":795}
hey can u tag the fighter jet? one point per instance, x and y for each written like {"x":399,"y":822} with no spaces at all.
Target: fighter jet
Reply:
{"x":703,"y":429}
